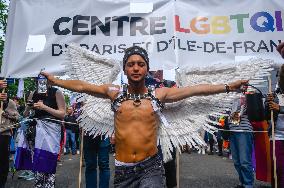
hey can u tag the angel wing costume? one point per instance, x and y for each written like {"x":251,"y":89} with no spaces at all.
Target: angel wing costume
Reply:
{"x":180,"y":121}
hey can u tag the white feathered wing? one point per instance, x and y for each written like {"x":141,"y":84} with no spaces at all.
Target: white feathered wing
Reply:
{"x":185,"y":118}
{"x":82,"y":64}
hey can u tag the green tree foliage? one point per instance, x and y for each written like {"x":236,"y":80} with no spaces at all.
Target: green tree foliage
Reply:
{"x":29,"y":86}
{"x":67,"y":99}
{"x":3,"y":25}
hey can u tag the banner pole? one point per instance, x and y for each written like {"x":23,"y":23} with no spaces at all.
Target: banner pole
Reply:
{"x":81,"y":157}
{"x":273,"y":137}
{"x":177,"y":155}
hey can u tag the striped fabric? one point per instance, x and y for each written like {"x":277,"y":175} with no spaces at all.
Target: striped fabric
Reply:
{"x":45,"y":152}
{"x":244,"y":124}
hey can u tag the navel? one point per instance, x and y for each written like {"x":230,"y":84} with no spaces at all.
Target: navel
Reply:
{"x":134,"y":155}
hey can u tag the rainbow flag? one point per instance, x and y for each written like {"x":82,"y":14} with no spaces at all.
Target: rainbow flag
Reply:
{"x":262,"y":151}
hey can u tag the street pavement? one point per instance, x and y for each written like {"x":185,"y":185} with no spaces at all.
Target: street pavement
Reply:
{"x":196,"y":171}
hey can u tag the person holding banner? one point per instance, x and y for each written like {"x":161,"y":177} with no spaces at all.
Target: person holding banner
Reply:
{"x":5,"y":135}
{"x":137,"y":163}
{"x":48,"y":108}
{"x":275,"y":102}
{"x":9,"y":117}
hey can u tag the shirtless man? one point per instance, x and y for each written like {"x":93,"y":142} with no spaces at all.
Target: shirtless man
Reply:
{"x":136,"y":124}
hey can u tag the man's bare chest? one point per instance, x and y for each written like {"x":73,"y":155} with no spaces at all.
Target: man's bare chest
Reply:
{"x":129,"y":110}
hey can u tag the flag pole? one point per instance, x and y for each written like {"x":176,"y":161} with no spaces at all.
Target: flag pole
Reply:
{"x":273,"y":136}
{"x":81,"y":157}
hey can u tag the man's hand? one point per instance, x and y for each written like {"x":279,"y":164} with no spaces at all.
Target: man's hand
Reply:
{"x":235,"y":116}
{"x":3,"y":96}
{"x":39,"y":105}
{"x":237,"y":85}
{"x":5,"y":114}
{"x":3,"y":84}
{"x":271,"y":104}
{"x":49,"y":77}
{"x":280,"y":49}
{"x":270,"y":97}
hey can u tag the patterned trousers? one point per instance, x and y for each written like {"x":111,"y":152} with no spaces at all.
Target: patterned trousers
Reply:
{"x":44,"y":180}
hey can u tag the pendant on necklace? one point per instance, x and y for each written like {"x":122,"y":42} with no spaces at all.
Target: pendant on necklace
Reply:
{"x":137,"y":103}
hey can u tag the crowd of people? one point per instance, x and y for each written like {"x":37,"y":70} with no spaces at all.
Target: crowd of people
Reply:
{"x":138,"y":161}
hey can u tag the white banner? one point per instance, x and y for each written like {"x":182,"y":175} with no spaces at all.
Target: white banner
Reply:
{"x":176,"y":33}
{"x":218,"y":31}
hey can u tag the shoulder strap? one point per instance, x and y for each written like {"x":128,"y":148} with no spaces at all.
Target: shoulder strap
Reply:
{"x":156,"y":103}
{"x":124,"y":89}
{"x":151,"y":90}
{"x":120,"y":98}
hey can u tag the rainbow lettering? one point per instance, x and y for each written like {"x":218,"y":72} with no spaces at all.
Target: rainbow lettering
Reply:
{"x":224,"y":24}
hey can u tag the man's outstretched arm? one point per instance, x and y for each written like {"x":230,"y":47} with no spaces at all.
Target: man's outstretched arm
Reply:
{"x":176,"y":94}
{"x":79,"y":86}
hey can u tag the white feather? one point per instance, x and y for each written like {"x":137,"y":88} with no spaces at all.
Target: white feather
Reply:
{"x":185,"y":117}
{"x":82,"y":64}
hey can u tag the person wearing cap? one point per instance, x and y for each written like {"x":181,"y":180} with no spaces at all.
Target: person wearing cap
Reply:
{"x":137,"y":163}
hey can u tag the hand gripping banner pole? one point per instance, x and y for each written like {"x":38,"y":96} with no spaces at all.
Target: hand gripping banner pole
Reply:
{"x":273,"y":137}
{"x":1,"y":106}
